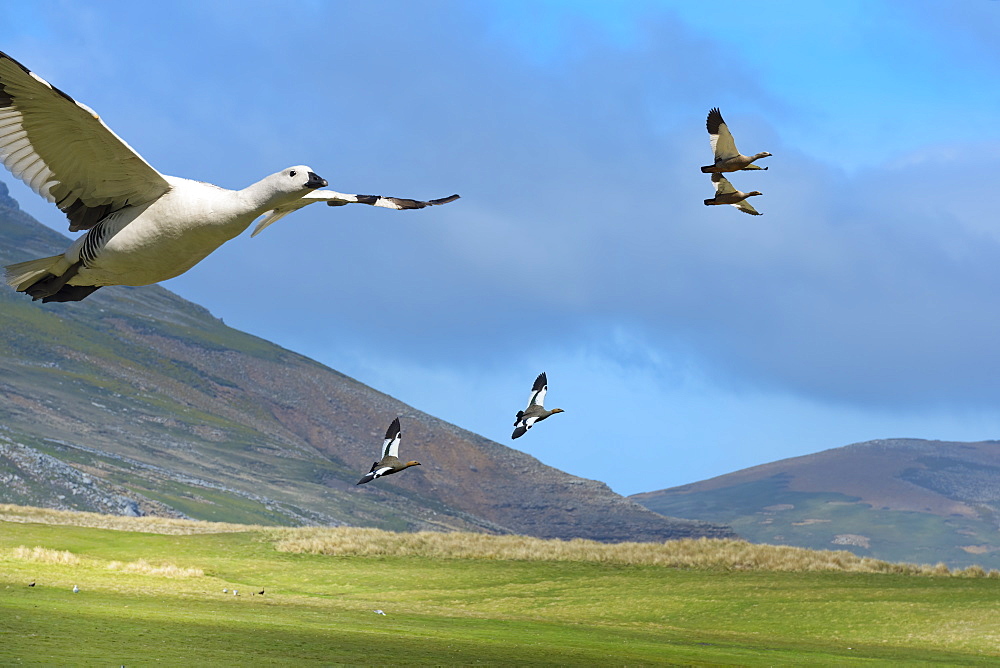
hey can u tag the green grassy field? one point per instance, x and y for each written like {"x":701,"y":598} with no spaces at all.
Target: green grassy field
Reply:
{"x":320,"y":608}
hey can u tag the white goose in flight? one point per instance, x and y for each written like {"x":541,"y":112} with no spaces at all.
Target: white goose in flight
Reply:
{"x":142,"y":227}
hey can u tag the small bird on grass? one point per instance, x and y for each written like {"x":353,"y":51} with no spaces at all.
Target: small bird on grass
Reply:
{"x":32,"y":584}
{"x":378,"y":612}
{"x":76,"y":590}
{"x":261,"y":592}
{"x":390,"y":462}
{"x":535,"y":412}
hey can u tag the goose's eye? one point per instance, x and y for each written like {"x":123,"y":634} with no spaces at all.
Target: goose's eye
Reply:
{"x":291,"y":173}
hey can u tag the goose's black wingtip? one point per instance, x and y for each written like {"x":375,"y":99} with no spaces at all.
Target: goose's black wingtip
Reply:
{"x":713,"y":121}
{"x":540,"y":382}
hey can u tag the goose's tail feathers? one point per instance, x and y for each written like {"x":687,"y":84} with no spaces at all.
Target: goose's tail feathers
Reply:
{"x":22,"y":275}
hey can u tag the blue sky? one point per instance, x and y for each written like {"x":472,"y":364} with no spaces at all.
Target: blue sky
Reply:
{"x":683,"y":341}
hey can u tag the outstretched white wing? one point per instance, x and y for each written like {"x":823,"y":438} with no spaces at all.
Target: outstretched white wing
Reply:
{"x":63,"y":151}
{"x":390,"y":446}
{"x":538,"y":390}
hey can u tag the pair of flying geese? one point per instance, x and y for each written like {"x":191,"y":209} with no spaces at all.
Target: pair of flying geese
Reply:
{"x":523,"y":421}
{"x":728,"y":159}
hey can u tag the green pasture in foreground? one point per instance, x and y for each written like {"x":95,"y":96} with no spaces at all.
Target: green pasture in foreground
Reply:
{"x":319,"y":609}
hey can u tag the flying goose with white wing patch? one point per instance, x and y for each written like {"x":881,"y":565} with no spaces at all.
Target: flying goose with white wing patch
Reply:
{"x":535,"y":412}
{"x":725,"y":193}
{"x":390,"y":462}
{"x":727,"y":157}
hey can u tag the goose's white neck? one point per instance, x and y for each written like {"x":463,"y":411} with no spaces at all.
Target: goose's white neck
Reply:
{"x":262,"y":196}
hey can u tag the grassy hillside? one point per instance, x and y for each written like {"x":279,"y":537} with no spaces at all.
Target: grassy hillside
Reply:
{"x":135,"y":401}
{"x":492,"y":609}
{"x":900,"y":500}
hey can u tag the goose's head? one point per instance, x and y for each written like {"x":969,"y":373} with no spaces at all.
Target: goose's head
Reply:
{"x":754,"y":192}
{"x":300,"y":177}
{"x":289,"y":184}
{"x":409,"y":464}
{"x":762,"y":154}
{"x":557,"y":410}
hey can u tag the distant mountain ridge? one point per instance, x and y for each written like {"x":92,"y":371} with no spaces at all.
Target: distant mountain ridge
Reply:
{"x":136,"y":401}
{"x":894,"y":499}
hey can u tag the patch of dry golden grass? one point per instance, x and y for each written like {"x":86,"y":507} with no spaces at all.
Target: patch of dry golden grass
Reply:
{"x":160,"y":525}
{"x":702,"y":553}
{"x":165,"y":570}
{"x":44,"y":555}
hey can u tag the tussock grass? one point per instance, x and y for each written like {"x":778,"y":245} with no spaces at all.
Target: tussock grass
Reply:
{"x":159,"y":525}
{"x":702,"y":553}
{"x":165,"y":570}
{"x":43,"y":555}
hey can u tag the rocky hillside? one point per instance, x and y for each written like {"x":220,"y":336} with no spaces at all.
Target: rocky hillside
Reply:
{"x":136,"y":401}
{"x":899,"y":500}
